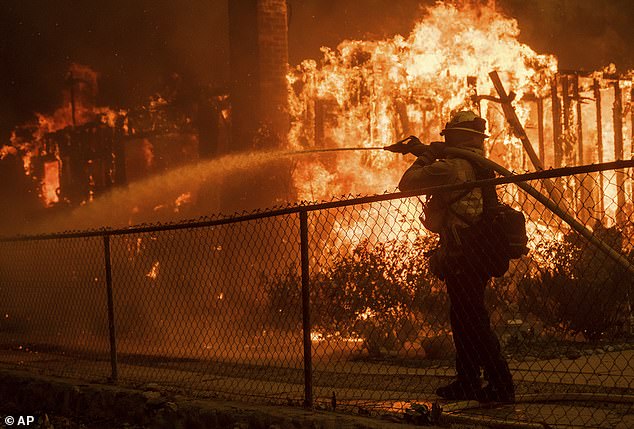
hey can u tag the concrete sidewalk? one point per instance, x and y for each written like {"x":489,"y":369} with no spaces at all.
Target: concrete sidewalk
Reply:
{"x":360,"y":387}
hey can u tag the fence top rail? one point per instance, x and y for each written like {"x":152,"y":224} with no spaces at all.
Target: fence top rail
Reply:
{"x":336,"y":203}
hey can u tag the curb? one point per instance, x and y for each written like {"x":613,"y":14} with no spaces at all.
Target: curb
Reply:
{"x":25,"y":393}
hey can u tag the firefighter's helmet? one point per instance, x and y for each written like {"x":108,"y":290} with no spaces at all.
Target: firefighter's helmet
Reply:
{"x":466,"y":120}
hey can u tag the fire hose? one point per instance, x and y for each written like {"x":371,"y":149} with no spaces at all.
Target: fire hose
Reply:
{"x":437,"y":149}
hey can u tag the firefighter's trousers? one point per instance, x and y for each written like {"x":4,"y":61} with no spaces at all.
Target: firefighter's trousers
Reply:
{"x":477,"y":346}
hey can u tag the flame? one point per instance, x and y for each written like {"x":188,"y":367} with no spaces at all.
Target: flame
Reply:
{"x":154,"y":271}
{"x":371,"y":93}
{"x":50,"y":183}
{"x":182,"y":199}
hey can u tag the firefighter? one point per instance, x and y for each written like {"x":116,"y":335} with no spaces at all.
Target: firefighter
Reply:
{"x":477,"y":346}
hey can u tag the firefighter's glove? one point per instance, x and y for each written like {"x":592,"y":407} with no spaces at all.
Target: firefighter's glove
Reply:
{"x":437,"y":150}
{"x":409,"y":144}
{"x":432,"y":152}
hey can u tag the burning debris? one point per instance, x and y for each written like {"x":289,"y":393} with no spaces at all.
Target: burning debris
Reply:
{"x":82,"y":151}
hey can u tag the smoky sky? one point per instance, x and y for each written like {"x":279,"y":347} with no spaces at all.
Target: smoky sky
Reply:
{"x":138,"y":45}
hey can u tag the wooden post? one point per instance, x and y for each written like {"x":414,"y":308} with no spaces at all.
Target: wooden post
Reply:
{"x":597,"y":99}
{"x":567,"y":159}
{"x":556,"y":123}
{"x":585,"y":204}
{"x":540,"y":130}
{"x":617,"y":113}
{"x":579,"y":121}
{"x":565,"y":96}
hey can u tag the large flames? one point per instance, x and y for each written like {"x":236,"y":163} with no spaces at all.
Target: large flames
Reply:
{"x":372,"y":93}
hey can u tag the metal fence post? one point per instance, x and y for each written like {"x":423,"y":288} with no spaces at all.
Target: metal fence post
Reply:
{"x":111,"y":327}
{"x":308,"y":364}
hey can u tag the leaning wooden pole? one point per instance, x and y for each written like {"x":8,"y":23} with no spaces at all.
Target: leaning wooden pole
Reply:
{"x":513,"y":120}
{"x":518,"y":129}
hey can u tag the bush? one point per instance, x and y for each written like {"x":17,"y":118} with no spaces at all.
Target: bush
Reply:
{"x":583,"y":291}
{"x":382,"y":293}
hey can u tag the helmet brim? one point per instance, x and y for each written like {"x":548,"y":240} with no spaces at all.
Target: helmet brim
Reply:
{"x":442,"y":133}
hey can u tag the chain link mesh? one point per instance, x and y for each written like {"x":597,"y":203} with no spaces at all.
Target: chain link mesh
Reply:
{"x":215,"y":310}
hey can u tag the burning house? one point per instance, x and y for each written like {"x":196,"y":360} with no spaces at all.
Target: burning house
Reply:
{"x":360,"y":94}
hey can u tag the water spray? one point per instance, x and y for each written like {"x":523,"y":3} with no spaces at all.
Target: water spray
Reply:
{"x":334,"y":149}
{"x":407,"y":145}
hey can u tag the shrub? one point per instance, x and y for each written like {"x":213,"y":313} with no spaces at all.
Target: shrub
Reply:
{"x":382,"y":293}
{"x":583,"y":291}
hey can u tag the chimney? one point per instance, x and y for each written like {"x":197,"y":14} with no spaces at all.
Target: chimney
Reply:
{"x":258,"y":35}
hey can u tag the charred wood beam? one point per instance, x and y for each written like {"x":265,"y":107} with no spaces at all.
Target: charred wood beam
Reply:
{"x":585,"y":200}
{"x":565,"y":96}
{"x":556,"y":110}
{"x":511,"y":116}
{"x":540,"y":130}
{"x":597,"y":97}
{"x":513,"y":120}
{"x":579,"y":129}
{"x":592,"y":74}
{"x":617,"y":113}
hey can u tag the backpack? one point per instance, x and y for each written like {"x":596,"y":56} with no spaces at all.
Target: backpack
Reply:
{"x":508,"y":223}
{"x":496,"y":238}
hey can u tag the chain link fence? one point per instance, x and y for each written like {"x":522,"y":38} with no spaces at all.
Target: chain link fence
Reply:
{"x":333,"y":305}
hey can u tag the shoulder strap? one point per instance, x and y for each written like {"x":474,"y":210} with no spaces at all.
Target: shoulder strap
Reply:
{"x":489,"y":195}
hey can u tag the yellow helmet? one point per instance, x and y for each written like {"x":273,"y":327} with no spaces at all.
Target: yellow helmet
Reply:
{"x":466,"y":120}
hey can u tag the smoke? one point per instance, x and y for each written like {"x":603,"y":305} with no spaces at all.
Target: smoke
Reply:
{"x":314,"y":24}
{"x":582,"y":34}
